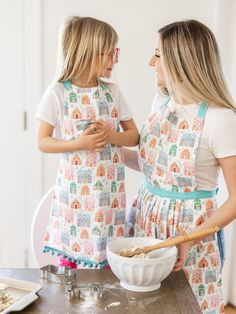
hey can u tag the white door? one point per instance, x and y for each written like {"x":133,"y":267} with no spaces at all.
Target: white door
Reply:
{"x":20,"y":162}
{"x":12,"y":135}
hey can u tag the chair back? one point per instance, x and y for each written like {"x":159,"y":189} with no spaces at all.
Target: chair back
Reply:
{"x":38,"y":229}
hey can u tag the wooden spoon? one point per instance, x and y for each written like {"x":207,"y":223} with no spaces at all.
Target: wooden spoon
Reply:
{"x":169,"y":242}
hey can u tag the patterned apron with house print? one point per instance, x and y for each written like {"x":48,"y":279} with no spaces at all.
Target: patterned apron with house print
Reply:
{"x":89,"y":204}
{"x":169,"y":203}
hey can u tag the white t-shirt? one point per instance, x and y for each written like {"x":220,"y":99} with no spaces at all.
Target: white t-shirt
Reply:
{"x":217,"y":139}
{"x":50,"y":108}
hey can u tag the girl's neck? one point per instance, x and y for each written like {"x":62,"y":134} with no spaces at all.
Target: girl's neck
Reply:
{"x":84,"y":83}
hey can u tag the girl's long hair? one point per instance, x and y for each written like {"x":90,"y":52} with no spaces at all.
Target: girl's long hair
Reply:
{"x":82,"y":43}
{"x":191,"y":64}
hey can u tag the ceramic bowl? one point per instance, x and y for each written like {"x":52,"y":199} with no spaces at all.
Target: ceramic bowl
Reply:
{"x":137,"y":274}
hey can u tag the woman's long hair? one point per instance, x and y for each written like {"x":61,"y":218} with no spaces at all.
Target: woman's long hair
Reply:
{"x":83,"y":41}
{"x":191,"y":64}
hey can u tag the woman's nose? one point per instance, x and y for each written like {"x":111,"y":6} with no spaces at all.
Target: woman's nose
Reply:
{"x":152,"y":62}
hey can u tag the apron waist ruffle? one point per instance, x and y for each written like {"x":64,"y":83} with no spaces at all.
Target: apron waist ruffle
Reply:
{"x":187,"y":196}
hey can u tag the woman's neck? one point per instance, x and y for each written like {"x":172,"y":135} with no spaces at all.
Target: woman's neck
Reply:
{"x":182,"y":101}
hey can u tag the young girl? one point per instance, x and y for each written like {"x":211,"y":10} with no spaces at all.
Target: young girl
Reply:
{"x":88,"y":208}
{"x":183,"y":144}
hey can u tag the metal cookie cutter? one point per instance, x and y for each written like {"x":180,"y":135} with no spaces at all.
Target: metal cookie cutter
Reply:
{"x":84,"y":291}
{"x":60,"y":275}
{"x":3,"y":292}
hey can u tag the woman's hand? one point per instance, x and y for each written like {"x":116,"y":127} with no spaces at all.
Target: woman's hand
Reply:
{"x":183,"y":250}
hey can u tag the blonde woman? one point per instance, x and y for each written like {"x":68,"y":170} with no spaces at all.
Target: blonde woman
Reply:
{"x":187,"y":138}
{"x":88,"y":208}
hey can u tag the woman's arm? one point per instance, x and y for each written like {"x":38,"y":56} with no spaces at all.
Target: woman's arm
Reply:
{"x":223,"y":215}
{"x":227,"y":211}
{"x":131,"y":158}
{"x":85,"y":141}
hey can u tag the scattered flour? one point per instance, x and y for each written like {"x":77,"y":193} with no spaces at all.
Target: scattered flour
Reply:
{"x":113,"y":304}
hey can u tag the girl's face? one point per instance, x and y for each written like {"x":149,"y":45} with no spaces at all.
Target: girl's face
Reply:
{"x":155,"y":62}
{"x":108,"y":62}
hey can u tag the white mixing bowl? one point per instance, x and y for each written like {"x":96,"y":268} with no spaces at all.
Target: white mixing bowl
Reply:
{"x":137,"y":274}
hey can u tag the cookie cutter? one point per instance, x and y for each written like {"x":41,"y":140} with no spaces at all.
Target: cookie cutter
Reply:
{"x":3,"y":292}
{"x":84,"y":291}
{"x":60,"y":275}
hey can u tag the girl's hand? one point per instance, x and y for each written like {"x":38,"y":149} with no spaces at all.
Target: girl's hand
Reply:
{"x":183,"y":250}
{"x":102,"y":125}
{"x":93,"y":138}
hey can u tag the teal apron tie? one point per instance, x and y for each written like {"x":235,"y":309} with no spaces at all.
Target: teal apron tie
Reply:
{"x":179,"y":195}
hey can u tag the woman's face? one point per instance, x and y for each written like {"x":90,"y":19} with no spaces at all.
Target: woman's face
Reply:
{"x":155,"y":62}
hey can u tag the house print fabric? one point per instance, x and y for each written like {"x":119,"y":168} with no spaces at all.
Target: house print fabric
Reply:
{"x":168,"y":202}
{"x":88,"y":208}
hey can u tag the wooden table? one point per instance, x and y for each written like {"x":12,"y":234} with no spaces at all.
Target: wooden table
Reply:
{"x":175,"y":295}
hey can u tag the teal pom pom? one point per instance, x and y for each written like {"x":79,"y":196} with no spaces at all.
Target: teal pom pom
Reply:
{"x":52,"y":252}
{"x":58,"y":253}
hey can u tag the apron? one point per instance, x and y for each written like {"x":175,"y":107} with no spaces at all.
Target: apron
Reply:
{"x":168,"y":203}
{"x":88,"y":208}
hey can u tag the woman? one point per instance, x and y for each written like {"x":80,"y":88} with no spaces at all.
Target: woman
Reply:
{"x":186,"y":140}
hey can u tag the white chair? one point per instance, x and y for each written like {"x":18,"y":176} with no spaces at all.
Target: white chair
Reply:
{"x":38,"y":228}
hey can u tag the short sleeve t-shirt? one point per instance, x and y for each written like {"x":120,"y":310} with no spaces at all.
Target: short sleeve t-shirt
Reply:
{"x":217,"y":140}
{"x":50,"y":108}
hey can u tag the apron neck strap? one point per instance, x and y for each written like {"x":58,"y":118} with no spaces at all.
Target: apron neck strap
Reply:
{"x":67,"y":84}
{"x":202,"y":110}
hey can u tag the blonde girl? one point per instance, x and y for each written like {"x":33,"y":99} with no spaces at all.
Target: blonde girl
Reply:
{"x":86,"y":114}
{"x":183,"y":144}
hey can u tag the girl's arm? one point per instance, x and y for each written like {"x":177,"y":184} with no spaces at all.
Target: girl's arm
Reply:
{"x":224,"y":214}
{"x":85,"y":141}
{"x":131,"y":158}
